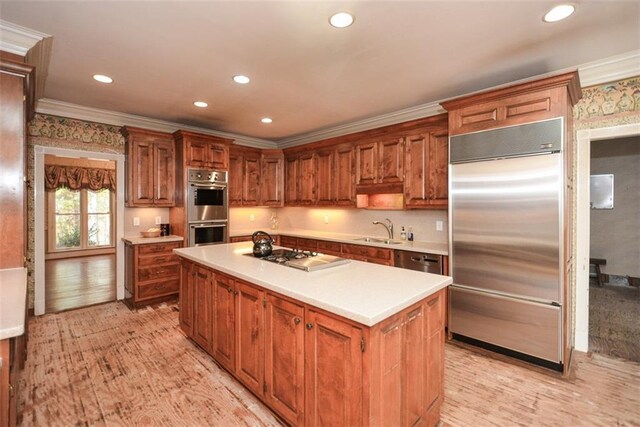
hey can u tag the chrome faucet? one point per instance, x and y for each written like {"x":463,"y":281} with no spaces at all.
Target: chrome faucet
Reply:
{"x":388,"y":226}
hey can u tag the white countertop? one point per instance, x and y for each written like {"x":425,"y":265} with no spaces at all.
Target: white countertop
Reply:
{"x":139,"y":240}
{"x":364,"y":292}
{"x":13,"y":297}
{"x":417,"y":246}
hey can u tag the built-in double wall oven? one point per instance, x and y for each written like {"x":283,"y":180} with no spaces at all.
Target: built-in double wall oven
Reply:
{"x":207,"y":207}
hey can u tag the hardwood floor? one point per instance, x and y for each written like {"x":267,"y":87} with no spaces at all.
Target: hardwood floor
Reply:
{"x":79,"y":282}
{"x":107,"y":365}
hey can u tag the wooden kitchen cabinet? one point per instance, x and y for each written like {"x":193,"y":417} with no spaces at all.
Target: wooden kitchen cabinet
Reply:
{"x":9,"y":382}
{"x":152,"y":273}
{"x":187,"y":278}
{"x":291,"y":180}
{"x":300,"y":179}
{"x":368,"y":254}
{"x":333,"y":372}
{"x":203,"y":151}
{"x":344,"y":176}
{"x":224,"y":320}
{"x":151,"y":168}
{"x":380,"y":162}
{"x":284,"y":359}
{"x":203,"y":295}
{"x":427,"y":163}
{"x":256,"y":177}
{"x":325,"y":178}
{"x":272,"y":182}
{"x":250,"y":335}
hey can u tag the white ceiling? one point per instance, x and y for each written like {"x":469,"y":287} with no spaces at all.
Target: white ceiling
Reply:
{"x":305,"y":74}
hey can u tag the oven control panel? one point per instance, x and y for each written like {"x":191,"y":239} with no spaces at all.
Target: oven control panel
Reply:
{"x":206,"y":176}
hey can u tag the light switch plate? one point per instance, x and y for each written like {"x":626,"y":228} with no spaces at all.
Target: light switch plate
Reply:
{"x":252,"y":217}
{"x":158,"y":220}
{"x":439,"y":225}
{"x":326,"y":219}
{"x":136,"y":221}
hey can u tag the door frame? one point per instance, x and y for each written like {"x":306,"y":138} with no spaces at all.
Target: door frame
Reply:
{"x":583,"y":222}
{"x":39,"y":230}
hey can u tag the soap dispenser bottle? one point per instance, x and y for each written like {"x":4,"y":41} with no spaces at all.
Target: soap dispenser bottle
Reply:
{"x":403,"y":234}
{"x":410,"y":234}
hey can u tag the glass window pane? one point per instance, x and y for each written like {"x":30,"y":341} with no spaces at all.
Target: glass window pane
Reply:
{"x":67,"y":231}
{"x":98,"y":201}
{"x":67,"y":201}
{"x":99,"y":229}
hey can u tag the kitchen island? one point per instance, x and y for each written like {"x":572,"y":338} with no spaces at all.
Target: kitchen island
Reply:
{"x":356,"y":344}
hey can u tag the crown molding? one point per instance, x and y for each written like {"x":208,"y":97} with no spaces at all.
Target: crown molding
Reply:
{"x":17,"y":39}
{"x":610,"y":69}
{"x":404,"y":115}
{"x":65,"y":109}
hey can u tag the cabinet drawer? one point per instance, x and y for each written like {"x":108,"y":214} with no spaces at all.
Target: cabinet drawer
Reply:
{"x":236,"y":239}
{"x":289,"y":242}
{"x":152,"y":273}
{"x":158,"y":247}
{"x":152,"y":290}
{"x":329,"y":247}
{"x":367,"y":251}
{"x":160,"y":258}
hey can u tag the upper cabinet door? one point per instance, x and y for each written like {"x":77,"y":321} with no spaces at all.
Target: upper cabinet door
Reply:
{"x":391,"y":158}
{"x":291,"y":165}
{"x":272,"y":180}
{"x":197,"y":153}
{"x":416,"y":192}
{"x":236,"y":179}
{"x":141,"y":173}
{"x":367,"y":163}
{"x":343,"y":175}
{"x":217,"y":156}
{"x":325,"y":177}
{"x":307,"y":179}
{"x":439,"y":170}
{"x":251,"y":180}
{"x":164,"y":174}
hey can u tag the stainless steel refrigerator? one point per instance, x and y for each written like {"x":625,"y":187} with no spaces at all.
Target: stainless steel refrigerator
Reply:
{"x":506,"y":240}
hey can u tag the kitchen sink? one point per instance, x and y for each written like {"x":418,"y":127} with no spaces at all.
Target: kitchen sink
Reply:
{"x":379,"y":240}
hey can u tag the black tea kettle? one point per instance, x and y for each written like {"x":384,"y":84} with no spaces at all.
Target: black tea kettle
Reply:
{"x":261,"y":244}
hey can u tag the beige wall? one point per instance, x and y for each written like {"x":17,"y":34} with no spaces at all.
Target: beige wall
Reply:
{"x":615,"y":233}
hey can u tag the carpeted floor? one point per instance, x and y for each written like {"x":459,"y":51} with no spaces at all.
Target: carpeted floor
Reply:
{"x":614,"y":321}
{"x":106,"y":365}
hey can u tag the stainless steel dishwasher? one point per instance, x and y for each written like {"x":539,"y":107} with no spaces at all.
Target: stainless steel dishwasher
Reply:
{"x":419,"y":261}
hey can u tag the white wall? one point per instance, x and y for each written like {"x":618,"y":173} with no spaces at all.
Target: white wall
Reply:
{"x":345,"y":221}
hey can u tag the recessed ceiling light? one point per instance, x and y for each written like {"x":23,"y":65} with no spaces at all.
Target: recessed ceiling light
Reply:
{"x":102,"y":78}
{"x":558,"y":13}
{"x":200,"y":104}
{"x":243,"y":80}
{"x":341,"y":19}
{"x":266,"y":120}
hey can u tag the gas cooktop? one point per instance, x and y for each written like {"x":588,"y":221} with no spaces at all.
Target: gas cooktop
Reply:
{"x":303,"y":260}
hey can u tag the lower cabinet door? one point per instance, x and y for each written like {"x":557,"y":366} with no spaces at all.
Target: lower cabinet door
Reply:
{"x":284,"y":359}
{"x":333,"y":372}
{"x":187,"y":274}
{"x":250,"y":337}
{"x":224,"y":321}
{"x":202,"y":297}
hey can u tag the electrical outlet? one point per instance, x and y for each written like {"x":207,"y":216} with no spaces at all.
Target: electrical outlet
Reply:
{"x":439,"y":225}
{"x":252,"y":217}
{"x":158,"y":220}
{"x":136,"y":221}
{"x":326,"y":219}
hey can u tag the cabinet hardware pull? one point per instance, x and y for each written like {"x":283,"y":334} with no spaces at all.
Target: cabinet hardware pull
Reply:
{"x":236,"y":292}
{"x":229,"y":290}
{"x":309,"y":326}
{"x":296,"y":320}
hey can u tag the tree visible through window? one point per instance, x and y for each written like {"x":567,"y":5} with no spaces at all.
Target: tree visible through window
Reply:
{"x":82,"y":219}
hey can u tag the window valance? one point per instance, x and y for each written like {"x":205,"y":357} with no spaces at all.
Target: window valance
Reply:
{"x":78,"y":178}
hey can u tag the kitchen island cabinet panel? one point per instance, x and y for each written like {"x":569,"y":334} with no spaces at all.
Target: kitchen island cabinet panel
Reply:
{"x":203,"y":308}
{"x":333,"y":372}
{"x":187,"y":277}
{"x":224,"y":320}
{"x":250,"y":337}
{"x":284,"y":359}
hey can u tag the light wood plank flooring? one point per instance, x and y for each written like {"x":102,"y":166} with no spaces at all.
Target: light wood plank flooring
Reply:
{"x":79,"y":282}
{"x":106,"y":365}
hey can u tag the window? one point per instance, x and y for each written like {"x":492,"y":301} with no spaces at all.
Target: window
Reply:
{"x":80,"y":220}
